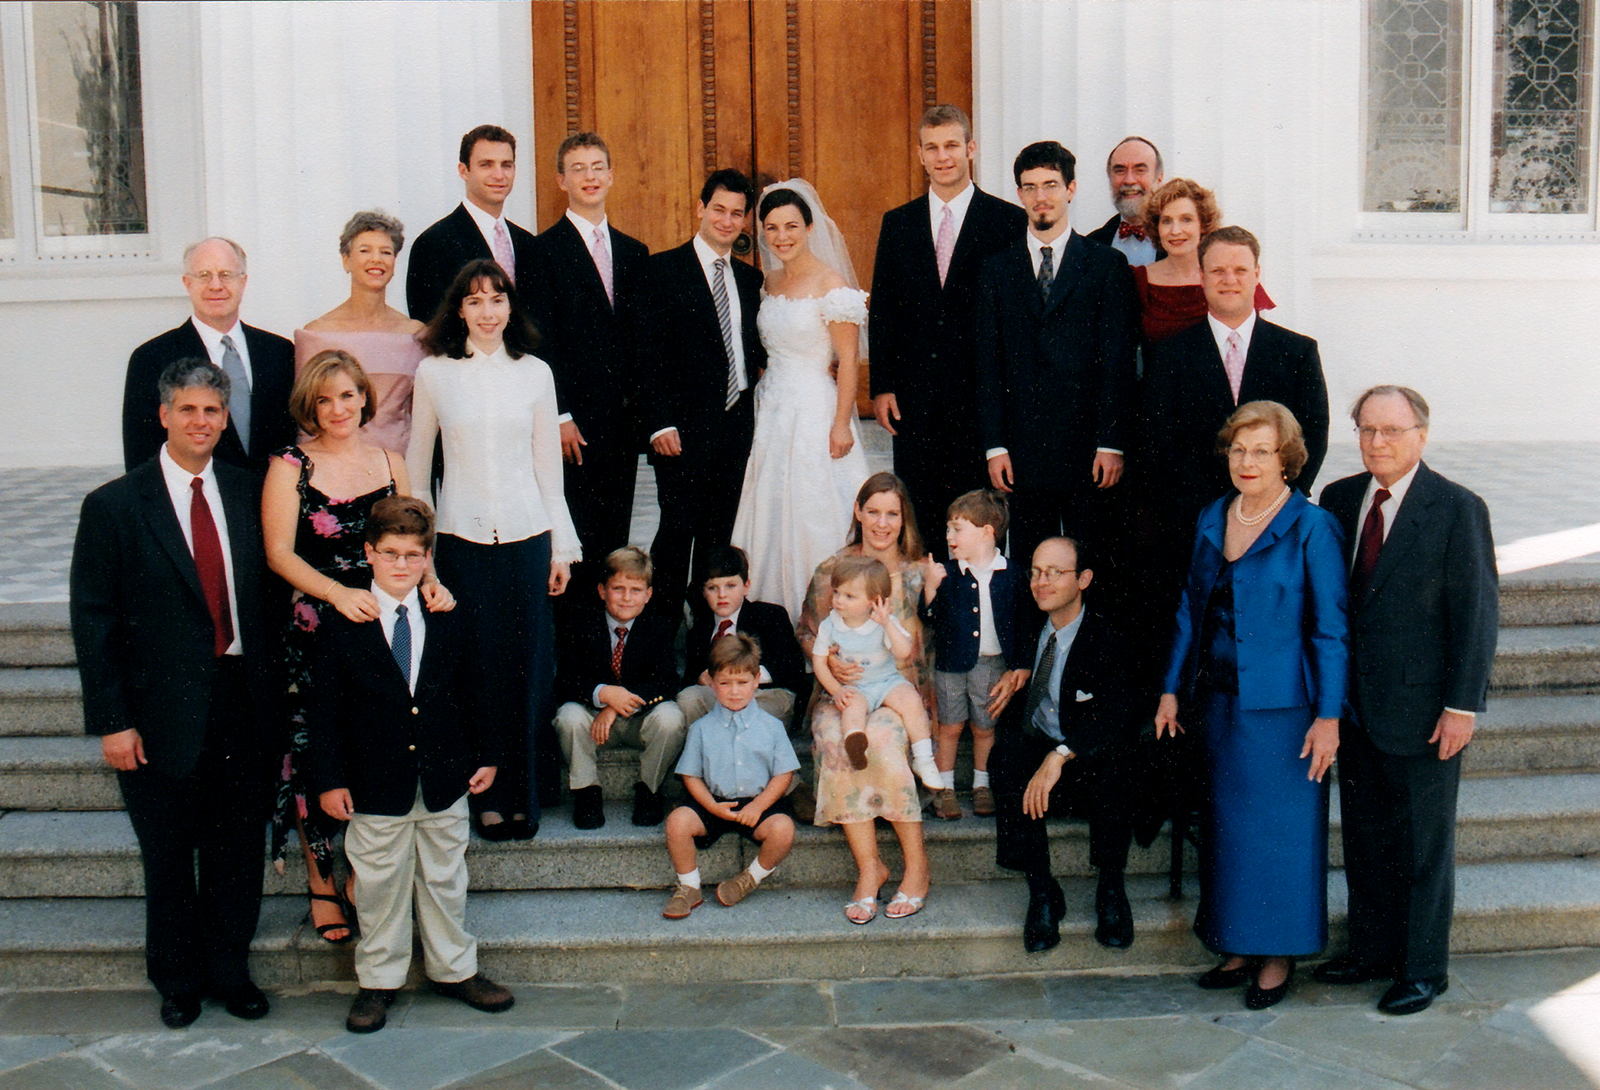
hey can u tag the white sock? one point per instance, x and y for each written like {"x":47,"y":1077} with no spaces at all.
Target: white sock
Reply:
{"x":980,"y":778}
{"x":758,"y":872}
{"x":923,"y":748}
{"x":947,"y":778}
{"x":692,"y":879}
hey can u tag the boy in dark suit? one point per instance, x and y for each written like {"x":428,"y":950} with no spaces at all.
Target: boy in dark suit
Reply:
{"x":724,"y":580}
{"x":977,"y":662}
{"x":616,"y":682}
{"x":395,"y":751}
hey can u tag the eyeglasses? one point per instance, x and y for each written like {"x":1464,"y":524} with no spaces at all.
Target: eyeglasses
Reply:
{"x":582,"y":169}
{"x":1259,"y":454}
{"x":1390,"y":435}
{"x":390,"y":556}
{"x":1048,"y":575}
{"x":1047,"y":188}
{"x":224,"y":277}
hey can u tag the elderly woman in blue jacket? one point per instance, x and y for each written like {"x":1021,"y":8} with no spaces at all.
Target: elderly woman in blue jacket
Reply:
{"x":1260,"y":656}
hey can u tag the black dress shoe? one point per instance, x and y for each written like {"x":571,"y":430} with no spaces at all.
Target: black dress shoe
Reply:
{"x":1411,"y":996}
{"x":1041,"y":929}
{"x":1258,"y":998}
{"x":179,"y":1010}
{"x":1347,"y":970}
{"x":478,"y":992}
{"x":498,"y":831}
{"x":244,"y":1001}
{"x":588,"y":808}
{"x":369,"y":1012}
{"x":522,"y":829}
{"x":646,"y":806}
{"x":1217,"y":978}
{"x":1113,"y":916}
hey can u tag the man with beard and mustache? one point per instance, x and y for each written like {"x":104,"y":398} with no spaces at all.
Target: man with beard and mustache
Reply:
{"x":1134,"y":171}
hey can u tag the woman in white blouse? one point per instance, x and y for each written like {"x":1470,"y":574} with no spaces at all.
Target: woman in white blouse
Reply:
{"x":505,"y":536}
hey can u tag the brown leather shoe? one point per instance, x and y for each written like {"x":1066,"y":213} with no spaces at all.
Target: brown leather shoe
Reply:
{"x":684,"y":900}
{"x":736,"y":889}
{"x":370,"y":1010}
{"x":945,"y":805}
{"x":478,"y":992}
{"x":982,"y":802}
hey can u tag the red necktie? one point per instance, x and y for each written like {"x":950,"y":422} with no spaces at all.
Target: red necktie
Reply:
{"x":208,"y":563}
{"x":1130,"y":229}
{"x":722,"y":630}
{"x":1371,"y":543}
{"x":616,"y":652}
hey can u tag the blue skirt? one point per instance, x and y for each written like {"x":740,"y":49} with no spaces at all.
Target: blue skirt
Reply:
{"x":1264,"y":864}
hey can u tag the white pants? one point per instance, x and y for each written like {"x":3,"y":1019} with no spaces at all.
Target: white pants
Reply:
{"x":659,"y":732}
{"x":420,"y":858}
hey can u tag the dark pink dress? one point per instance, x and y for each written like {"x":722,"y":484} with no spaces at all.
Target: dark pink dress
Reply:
{"x":1165,"y":310}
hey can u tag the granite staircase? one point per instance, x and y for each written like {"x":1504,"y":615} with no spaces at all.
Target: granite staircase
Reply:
{"x":583,"y":906}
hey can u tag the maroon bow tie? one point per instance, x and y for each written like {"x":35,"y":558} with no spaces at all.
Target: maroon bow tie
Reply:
{"x":1128,"y":227}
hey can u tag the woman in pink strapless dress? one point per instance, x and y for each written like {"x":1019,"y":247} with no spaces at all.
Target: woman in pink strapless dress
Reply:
{"x":368,"y":328}
{"x":1179,"y":213}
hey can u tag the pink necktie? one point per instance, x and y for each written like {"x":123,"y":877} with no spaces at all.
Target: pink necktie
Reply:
{"x":602,"y":261}
{"x":945,"y":244}
{"x":1233,"y":363}
{"x":502,"y":251}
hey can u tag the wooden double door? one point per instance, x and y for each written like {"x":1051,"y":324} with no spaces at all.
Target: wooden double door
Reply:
{"x":826,"y":90}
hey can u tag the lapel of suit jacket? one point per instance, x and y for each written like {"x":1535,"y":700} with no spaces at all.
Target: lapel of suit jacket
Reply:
{"x":701,"y":299}
{"x":1409,"y":524}
{"x":1024,"y":282}
{"x":1279,"y":524}
{"x":1080,"y":656}
{"x":1072,"y":254}
{"x":164,"y":526}
{"x":1263,"y":340}
{"x":441,"y":633}
{"x":238,"y":501}
{"x":581,"y":260}
{"x":1211,"y":373}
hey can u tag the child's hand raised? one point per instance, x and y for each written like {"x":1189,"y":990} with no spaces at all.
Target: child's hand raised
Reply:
{"x":880,"y":611}
{"x":932,"y":575}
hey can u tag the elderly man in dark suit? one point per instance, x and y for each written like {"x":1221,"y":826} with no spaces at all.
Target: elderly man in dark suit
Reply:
{"x":260,"y":365}
{"x":478,"y":228}
{"x":1134,"y":170}
{"x":1424,"y":611}
{"x":591,"y":297}
{"x":698,"y":403}
{"x":172,"y":637}
{"x":1065,"y":745}
{"x":1057,"y":325}
{"x":924,"y":318}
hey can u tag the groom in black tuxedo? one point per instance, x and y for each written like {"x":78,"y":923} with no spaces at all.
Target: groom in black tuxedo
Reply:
{"x":924,"y":317}
{"x":698,"y":405}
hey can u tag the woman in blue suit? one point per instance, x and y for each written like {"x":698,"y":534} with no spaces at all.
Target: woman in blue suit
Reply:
{"x":1261,"y":655}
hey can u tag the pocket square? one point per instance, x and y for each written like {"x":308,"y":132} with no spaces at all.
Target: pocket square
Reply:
{"x":1082,"y":696}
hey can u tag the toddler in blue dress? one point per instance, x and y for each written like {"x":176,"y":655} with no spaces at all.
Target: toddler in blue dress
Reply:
{"x":866,"y":635}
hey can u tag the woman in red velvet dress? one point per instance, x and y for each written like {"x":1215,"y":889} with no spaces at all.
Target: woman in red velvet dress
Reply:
{"x":1179,"y":213}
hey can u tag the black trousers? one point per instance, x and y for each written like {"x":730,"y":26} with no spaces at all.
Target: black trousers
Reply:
{"x":1093,"y":787}
{"x":202,"y":840}
{"x":936,"y":468}
{"x":698,"y":492}
{"x":599,"y":496}
{"x":504,"y":590}
{"x":1399,"y":831}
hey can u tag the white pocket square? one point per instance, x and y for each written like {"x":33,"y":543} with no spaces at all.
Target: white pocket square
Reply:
{"x":1082,"y":696}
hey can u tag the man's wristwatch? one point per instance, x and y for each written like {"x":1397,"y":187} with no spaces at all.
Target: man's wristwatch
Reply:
{"x":1066,"y":753}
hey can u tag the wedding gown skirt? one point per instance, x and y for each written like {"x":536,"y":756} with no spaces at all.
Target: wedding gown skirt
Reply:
{"x":795,"y":507}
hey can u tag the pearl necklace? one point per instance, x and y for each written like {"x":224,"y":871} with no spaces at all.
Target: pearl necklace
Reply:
{"x":1255,"y":520}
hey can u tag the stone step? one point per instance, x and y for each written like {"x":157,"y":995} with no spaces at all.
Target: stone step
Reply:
{"x":571,"y":936}
{"x":35,"y":634}
{"x":1535,"y":733}
{"x":45,"y":700}
{"x":95,"y":855}
{"x":1547,"y":658}
{"x":1529,"y":598}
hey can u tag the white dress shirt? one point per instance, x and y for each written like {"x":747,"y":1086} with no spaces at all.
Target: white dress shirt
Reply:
{"x":486,"y":224}
{"x":414,"y":621}
{"x":988,"y":638}
{"x":502,"y":449}
{"x":958,"y":206}
{"x":586,"y":232}
{"x":181,"y":492}
{"x":1221,"y":332}
{"x":213,"y":342}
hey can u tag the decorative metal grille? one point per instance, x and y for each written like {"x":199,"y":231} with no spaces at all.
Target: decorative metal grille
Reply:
{"x":1540,"y":129}
{"x":1414,"y":106}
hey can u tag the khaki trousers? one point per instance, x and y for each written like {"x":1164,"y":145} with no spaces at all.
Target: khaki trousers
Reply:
{"x":698,"y":700}
{"x":419,"y":859}
{"x":660,"y":732}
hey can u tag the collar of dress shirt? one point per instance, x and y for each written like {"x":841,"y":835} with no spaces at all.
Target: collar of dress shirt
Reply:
{"x":387,"y":602}
{"x":733,"y":618}
{"x":485,"y":222}
{"x":1397,"y":494}
{"x":1220,"y":331}
{"x":709,"y":257}
{"x":212,"y":338}
{"x":178,"y":478}
{"x":1057,"y":247}
{"x":1066,"y":633}
{"x":958,"y":206}
{"x":993,"y":566}
{"x":612,"y":624}
{"x":586,"y":229}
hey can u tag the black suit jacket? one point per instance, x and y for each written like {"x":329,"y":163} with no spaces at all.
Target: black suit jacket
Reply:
{"x":769,"y":625}
{"x":953,"y":617}
{"x":369,"y":733}
{"x":922,"y":334}
{"x":1106,"y":234}
{"x":649,"y":666}
{"x":686,"y":388}
{"x":1056,"y":380}
{"x":1095,"y":667}
{"x":144,"y":637}
{"x":271,"y":377}
{"x":594,"y":348}
{"x":1423,"y":634}
{"x":1185,"y":400}
{"x":440,"y":251}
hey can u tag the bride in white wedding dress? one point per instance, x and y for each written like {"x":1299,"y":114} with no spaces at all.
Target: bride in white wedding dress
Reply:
{"x":806,"y":461}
